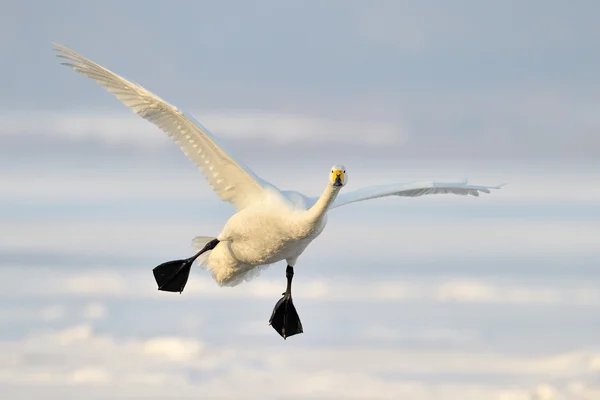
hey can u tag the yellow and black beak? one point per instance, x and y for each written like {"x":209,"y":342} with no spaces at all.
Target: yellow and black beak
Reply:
{"x":338,"y":178}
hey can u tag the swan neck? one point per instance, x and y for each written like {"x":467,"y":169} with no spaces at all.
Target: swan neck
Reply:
{"x":318,"y":210}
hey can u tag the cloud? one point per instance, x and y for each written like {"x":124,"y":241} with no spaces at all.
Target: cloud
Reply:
{"x":103,"y":282}
{"x":95,"y":311}
{"x":20,"y":313}
{"x":539,"y":124}
{"x":53,"y":313}
{"x":172,"y":349}
{"x":441,"y":81}
{"x":172,"y":189}
{"x":432,"y":335}
{"x":127,"y":128}
{"x":432,"y":239}
{"x":74,"y":334}
{"x":112,"y":284}
{"x":118,"y":367}
{"x":90,"y":376}
{"x":150,"y":183}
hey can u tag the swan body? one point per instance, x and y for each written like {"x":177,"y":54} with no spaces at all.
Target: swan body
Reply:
{"x":270,"y":225}
{"x":273,"y":230}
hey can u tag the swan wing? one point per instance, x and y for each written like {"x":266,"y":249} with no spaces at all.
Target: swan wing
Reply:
{"x":231,"y":180}
{"x":414,"y":189}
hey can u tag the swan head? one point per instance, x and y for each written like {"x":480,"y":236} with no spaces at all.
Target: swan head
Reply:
{"x":337,"y":176}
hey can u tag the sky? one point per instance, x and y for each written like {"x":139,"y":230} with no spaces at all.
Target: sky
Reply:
{"x":436,"y":297}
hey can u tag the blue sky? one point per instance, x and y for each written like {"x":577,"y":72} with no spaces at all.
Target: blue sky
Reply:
{"x":442,"y":297}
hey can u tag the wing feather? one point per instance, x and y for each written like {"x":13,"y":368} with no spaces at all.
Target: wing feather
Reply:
{"x":414,"y":189}
{"x":230,"y":179}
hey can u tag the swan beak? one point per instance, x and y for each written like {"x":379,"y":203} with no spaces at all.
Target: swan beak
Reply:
{"x":339,"y":176}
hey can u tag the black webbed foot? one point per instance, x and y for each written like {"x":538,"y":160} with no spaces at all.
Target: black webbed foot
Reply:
{"x":172,"y":276}
{"x":285,"y":319}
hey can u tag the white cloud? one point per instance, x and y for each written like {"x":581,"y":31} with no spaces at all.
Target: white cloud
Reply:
{"x":95,"y":282}
{"x":147,"y":181}
{"x":90,"y":375}
{"x":387,"y":236}
{"x":127,"y":128}
{"x":465,"y":238}
{"x":172,"y":349}
{"x":147,"y":366}
{"x":583,"y":390}
{"x":528,"y":123}
{"x":47,"y":313}
{"x":53,"y":313}
{"x":454,"y":336}
{"x":95,"y":310}
{"x":139,"y":285}
{"x":74,"y":334}
{"x":545,"y":392}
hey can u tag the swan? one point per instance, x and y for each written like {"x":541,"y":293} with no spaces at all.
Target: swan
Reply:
{"x":270,"y":225}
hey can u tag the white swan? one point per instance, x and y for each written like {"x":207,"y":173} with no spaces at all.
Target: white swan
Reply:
{"x":270,"y":225}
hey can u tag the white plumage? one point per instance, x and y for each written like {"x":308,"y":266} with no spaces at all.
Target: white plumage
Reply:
{"x":270,"y":225}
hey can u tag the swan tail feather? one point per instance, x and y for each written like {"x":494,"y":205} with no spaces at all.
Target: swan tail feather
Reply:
{"x":199,"y":242}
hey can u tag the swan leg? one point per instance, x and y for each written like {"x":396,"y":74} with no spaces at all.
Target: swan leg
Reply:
{"x":172,"y":276}
{"x":285,"y":319}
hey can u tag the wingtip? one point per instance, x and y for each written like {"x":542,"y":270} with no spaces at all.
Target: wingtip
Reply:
{"x":60,"y":48}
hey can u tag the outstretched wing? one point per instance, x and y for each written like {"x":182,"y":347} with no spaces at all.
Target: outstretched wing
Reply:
{"x":230,"y":179}
{"x":414,"y":189}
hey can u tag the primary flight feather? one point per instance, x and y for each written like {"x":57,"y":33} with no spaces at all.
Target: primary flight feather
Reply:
{"x":270,"y":225}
